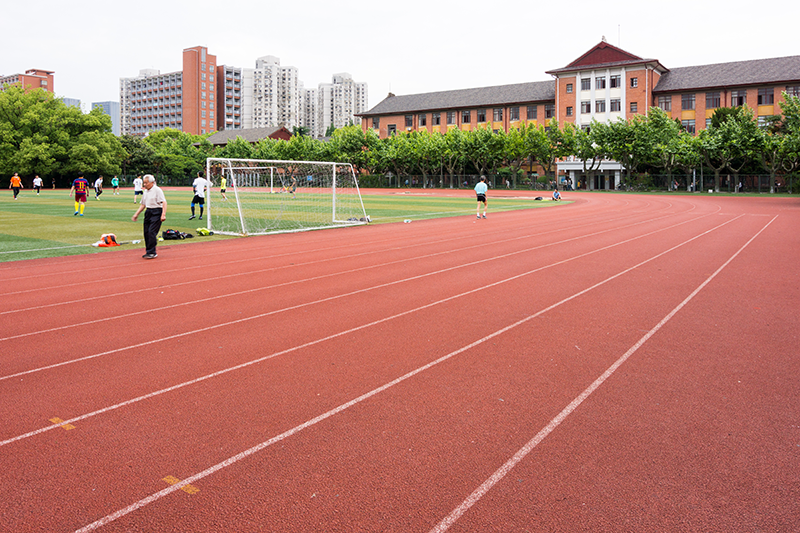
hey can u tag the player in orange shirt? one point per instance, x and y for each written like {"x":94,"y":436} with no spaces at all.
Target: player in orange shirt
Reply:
{"x":16,"y":184}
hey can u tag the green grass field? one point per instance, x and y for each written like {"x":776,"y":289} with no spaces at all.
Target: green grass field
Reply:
{"x":44,"y":226}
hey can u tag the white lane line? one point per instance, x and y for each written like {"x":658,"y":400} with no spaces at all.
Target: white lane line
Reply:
{"x":250,"y":451}
{"x":501,"y":472}
{"x":344,"y":295}
{"x":291,"y":282}
{"x":324,"y":339}
{"x":417,"y":244}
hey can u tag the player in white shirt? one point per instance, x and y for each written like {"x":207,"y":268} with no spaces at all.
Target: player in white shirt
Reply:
{"x":98,"y":188}
{"x":137,"y":188}
{"x":199,"y":186}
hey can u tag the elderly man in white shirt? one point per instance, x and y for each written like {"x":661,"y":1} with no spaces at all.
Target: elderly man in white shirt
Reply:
{"x":154,"y":205}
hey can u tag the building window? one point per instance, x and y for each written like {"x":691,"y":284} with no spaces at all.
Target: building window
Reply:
{"x":436,"y":119}
{"x":481,"y":115}
{"x":549,"y":111}
{"x":712,"y":100}
{"x":586,"y":107}
{"x":569,"y":88}
{"x":766,"y":96}
{"x":497,"y":115}
{"x":793,"y":90}
{"x":569,"y":111}
{"x":531,"y":112}
{"x":422,"y":120}
{"x":451,"y":117}
{"x":586,"y":84}
{"x":409,"y":121}
{"x":688,"y":125}
{"x":376,"y":123}
{"x":513,"y":113}
{"x":634,"y":107}
{"x":687,"y":102}
{"x":600,"y":106}
{"x":665,"y":103}
{"x":738,"y":98}
{"x":708,"y":123}
{"x":391,"y":129}
{"x":616,"y":81}
{"x":600,"y":82}
{"x":466,"y":117}
{"x":634,"y":83}
{"x":616,"y":105}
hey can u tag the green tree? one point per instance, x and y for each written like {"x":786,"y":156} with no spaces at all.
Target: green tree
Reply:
{"x":453,"y":157}
{"x":39,"y":134}
{"x":555,"y":144}
{"x":139,"y":157}
{"x":353,"y":145}
{"x":731,"y":141}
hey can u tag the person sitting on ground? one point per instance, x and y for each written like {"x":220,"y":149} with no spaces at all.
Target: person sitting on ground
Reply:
{"x":556,"y":195}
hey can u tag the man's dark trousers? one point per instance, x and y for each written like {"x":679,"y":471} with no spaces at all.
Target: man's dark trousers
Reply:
{"x":152,"y":225}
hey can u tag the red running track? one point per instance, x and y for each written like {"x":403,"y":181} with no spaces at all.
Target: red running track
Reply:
{"x":623,"y":363}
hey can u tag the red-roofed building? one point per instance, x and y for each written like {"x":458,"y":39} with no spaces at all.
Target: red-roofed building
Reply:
{"x":32,"y":79}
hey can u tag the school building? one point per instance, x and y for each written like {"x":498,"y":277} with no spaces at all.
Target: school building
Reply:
{"x":604,"y":84}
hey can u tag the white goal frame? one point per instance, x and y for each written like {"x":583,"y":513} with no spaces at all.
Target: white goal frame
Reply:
{"x":260,"y":197}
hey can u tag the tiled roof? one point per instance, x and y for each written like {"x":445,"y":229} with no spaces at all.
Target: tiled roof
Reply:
{"x":610,"y":64}
{"x":736,"y":74}
{"x":252,"y":135}
{"x":537,"y":91}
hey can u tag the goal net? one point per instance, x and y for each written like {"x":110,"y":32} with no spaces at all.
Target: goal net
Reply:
{"x":281,"y":196}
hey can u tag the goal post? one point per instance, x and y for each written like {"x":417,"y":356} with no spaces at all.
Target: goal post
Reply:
{"x":266,"y":196}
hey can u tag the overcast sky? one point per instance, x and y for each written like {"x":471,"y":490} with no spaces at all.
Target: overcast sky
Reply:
{"x":406,"y":47}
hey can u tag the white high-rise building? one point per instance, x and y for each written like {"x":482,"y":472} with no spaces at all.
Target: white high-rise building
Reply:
{"x":339,"y":102}
{"x":150,"y":101}
{"x":308,"y":106}
{"x":272,"y":95}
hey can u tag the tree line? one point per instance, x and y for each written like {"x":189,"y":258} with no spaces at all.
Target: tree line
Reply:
{"x":39,"y":134}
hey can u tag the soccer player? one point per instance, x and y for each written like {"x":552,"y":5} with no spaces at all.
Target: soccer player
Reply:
{"x":115,"y":184}
{"x":79,"y":188}
{"x":199,"y":186}
{"x":98,"y":188}
{"x":480,"y":191}
{"x":223,"y":182}
{"x":37,"y":184}
{"x":137,"y":188}
{"x":16,"y":184}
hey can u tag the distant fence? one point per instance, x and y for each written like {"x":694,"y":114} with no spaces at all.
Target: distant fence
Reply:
{"x":752,"y":183}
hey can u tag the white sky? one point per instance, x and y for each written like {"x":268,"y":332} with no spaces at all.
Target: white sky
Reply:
{"x":406,"y":47}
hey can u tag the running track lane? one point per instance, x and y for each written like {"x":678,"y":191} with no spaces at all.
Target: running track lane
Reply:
{"x":161,"y":522}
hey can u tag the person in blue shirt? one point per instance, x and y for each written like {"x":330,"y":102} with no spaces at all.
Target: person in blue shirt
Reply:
{"x":556,"y":195}
{"x":480,"y":190}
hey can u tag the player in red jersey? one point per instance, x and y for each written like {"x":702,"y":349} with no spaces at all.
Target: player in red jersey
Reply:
{"x":79,"y":187}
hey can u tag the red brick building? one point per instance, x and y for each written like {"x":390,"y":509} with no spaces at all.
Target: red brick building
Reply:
{"x":32,"y":79}
{"x":603,"y":84}
{"x":184,"y":100}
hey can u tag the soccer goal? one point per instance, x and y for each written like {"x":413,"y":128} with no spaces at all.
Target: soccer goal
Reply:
{"x":281,"y":196}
